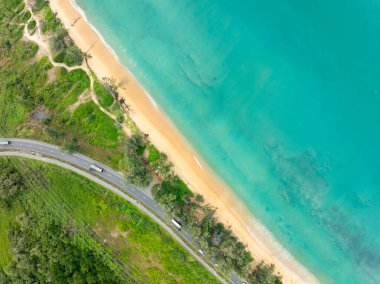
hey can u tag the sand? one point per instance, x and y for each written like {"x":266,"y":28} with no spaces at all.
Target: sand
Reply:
{"x":187,"y":163}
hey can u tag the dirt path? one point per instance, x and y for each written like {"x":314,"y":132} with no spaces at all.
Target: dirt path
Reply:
{"x":43,"y":42}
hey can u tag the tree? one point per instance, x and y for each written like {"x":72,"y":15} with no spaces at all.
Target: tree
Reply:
{"x":161,"y":166}
{"x":122,"y":101}
{"x":47,"y":253}
{"x":3,"y":277}
{"x":133,"y":163}
{"x":135,"y":145}
{"x":70,"y":146}
{"x":120,"y":118}
{"x":135,"y":170}
{"x":10,"y":184}
{"x":199,"y":198}
{"x":58,"y":42}
{"x":112,"y":85}
{"x":263,"y":274}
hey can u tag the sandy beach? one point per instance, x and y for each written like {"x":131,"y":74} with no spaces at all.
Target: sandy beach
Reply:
{"x":188,"y":164}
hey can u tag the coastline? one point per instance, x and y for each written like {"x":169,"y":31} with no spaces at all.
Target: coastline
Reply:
{"x":187,"y":163}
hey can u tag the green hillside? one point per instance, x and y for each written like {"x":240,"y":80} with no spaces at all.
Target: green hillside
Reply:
{"x":59,"y":226}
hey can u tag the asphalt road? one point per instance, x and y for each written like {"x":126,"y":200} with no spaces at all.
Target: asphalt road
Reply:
{"x":110,"y":179}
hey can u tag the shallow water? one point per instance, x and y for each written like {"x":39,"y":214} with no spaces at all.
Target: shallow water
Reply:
{"x":287,"y":94}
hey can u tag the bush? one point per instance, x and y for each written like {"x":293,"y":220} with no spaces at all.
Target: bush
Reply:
{"x":50,"y":22}
{"x":104,"y":96}
{"x":60,"y":57}
{"x":19,"y":9}
{"x":58,"y":42}
{"x":68,"y":52}
{"x":70,"y":146}
{"x":32,"y":24}
{"x":27,"y":15}
{"x":50,"y":253}
{"x":133,"y":164}
{"x":10,"y":184}
{"x":120,"y":118}
{"x":135,"y":145}
{"x":38,"y":5}
{"x":96,"y":127}
{"x":154,"y":154}
{"x":159,"y":163}
{"x":219,"y":242}
{"x":136,"y":171}
{"x":73,"y":56}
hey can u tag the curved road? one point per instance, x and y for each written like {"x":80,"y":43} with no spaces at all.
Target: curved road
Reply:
{"x":110,"y":179}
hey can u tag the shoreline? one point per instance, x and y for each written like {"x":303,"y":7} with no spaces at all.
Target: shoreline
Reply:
{"x":187,"y":163}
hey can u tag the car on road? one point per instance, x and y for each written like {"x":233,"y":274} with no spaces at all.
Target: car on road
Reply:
{"x":96,"y":169}
{"x":5,"y":142}
{"x":177,"y":224}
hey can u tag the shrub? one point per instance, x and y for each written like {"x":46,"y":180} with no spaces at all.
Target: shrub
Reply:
{"x":50,"y":22}
{"x":32,"y":24}
{"x":160,"y":165}
{"x":10,"y":184}
{"x":154,"y":154}
{"x":70,"y":146}
{"x":133,"y":164}
{"x":120,"y":118}
{"x":27,"y":15}
{"x":58,"y":42}
{"x":104,"y":95}
{"x":135,"y":145}
{"x":60,"y":57}
{"x":73,"y":56}
{"x":38,"y":5}
{"x":135,"y":170}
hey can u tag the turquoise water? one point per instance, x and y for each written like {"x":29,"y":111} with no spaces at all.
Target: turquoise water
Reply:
{"x":282,"y":98}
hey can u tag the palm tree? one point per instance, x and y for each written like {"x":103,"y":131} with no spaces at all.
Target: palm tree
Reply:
{"x":122,"y":102}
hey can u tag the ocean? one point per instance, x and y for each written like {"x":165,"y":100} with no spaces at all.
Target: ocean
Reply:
{"x":282,"y":99}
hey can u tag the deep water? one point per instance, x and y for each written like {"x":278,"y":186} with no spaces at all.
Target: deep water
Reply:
{"x":287,"y":96}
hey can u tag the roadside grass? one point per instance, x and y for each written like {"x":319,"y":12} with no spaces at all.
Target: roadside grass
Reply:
{"x":8,"y":217}
{"x":146,"y":252}
{"x":65,"y":90}
{"x":99,"y":128}
{"x":12,"y":115}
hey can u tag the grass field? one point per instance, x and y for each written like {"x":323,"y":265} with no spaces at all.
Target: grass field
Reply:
{"x":105,"y":98}
{"x":8,"y":216}
{"x":145,"y":251}
{"x":46,"y":103}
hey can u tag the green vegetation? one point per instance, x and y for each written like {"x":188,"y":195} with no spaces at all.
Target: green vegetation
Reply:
{"x":50,"y":23}
{"x":96,"y":236}
{"x":159,"y":163}
{"x":8,"y":217}
{"x":97,"y":126}
{"x":10,"y":184}
{"x":44,"y":253}
{"x":26,"y":16}
{"x":214,"y":238}
{"x":70,"y":146}
{"x":32,"y":24}
{"x":32,"y":88}
{"x":43,"y":102}
{"x":65,"y":50}
{"x":104,"y":95}
{"x":134,"y":164}
{"x":38,"y":5}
